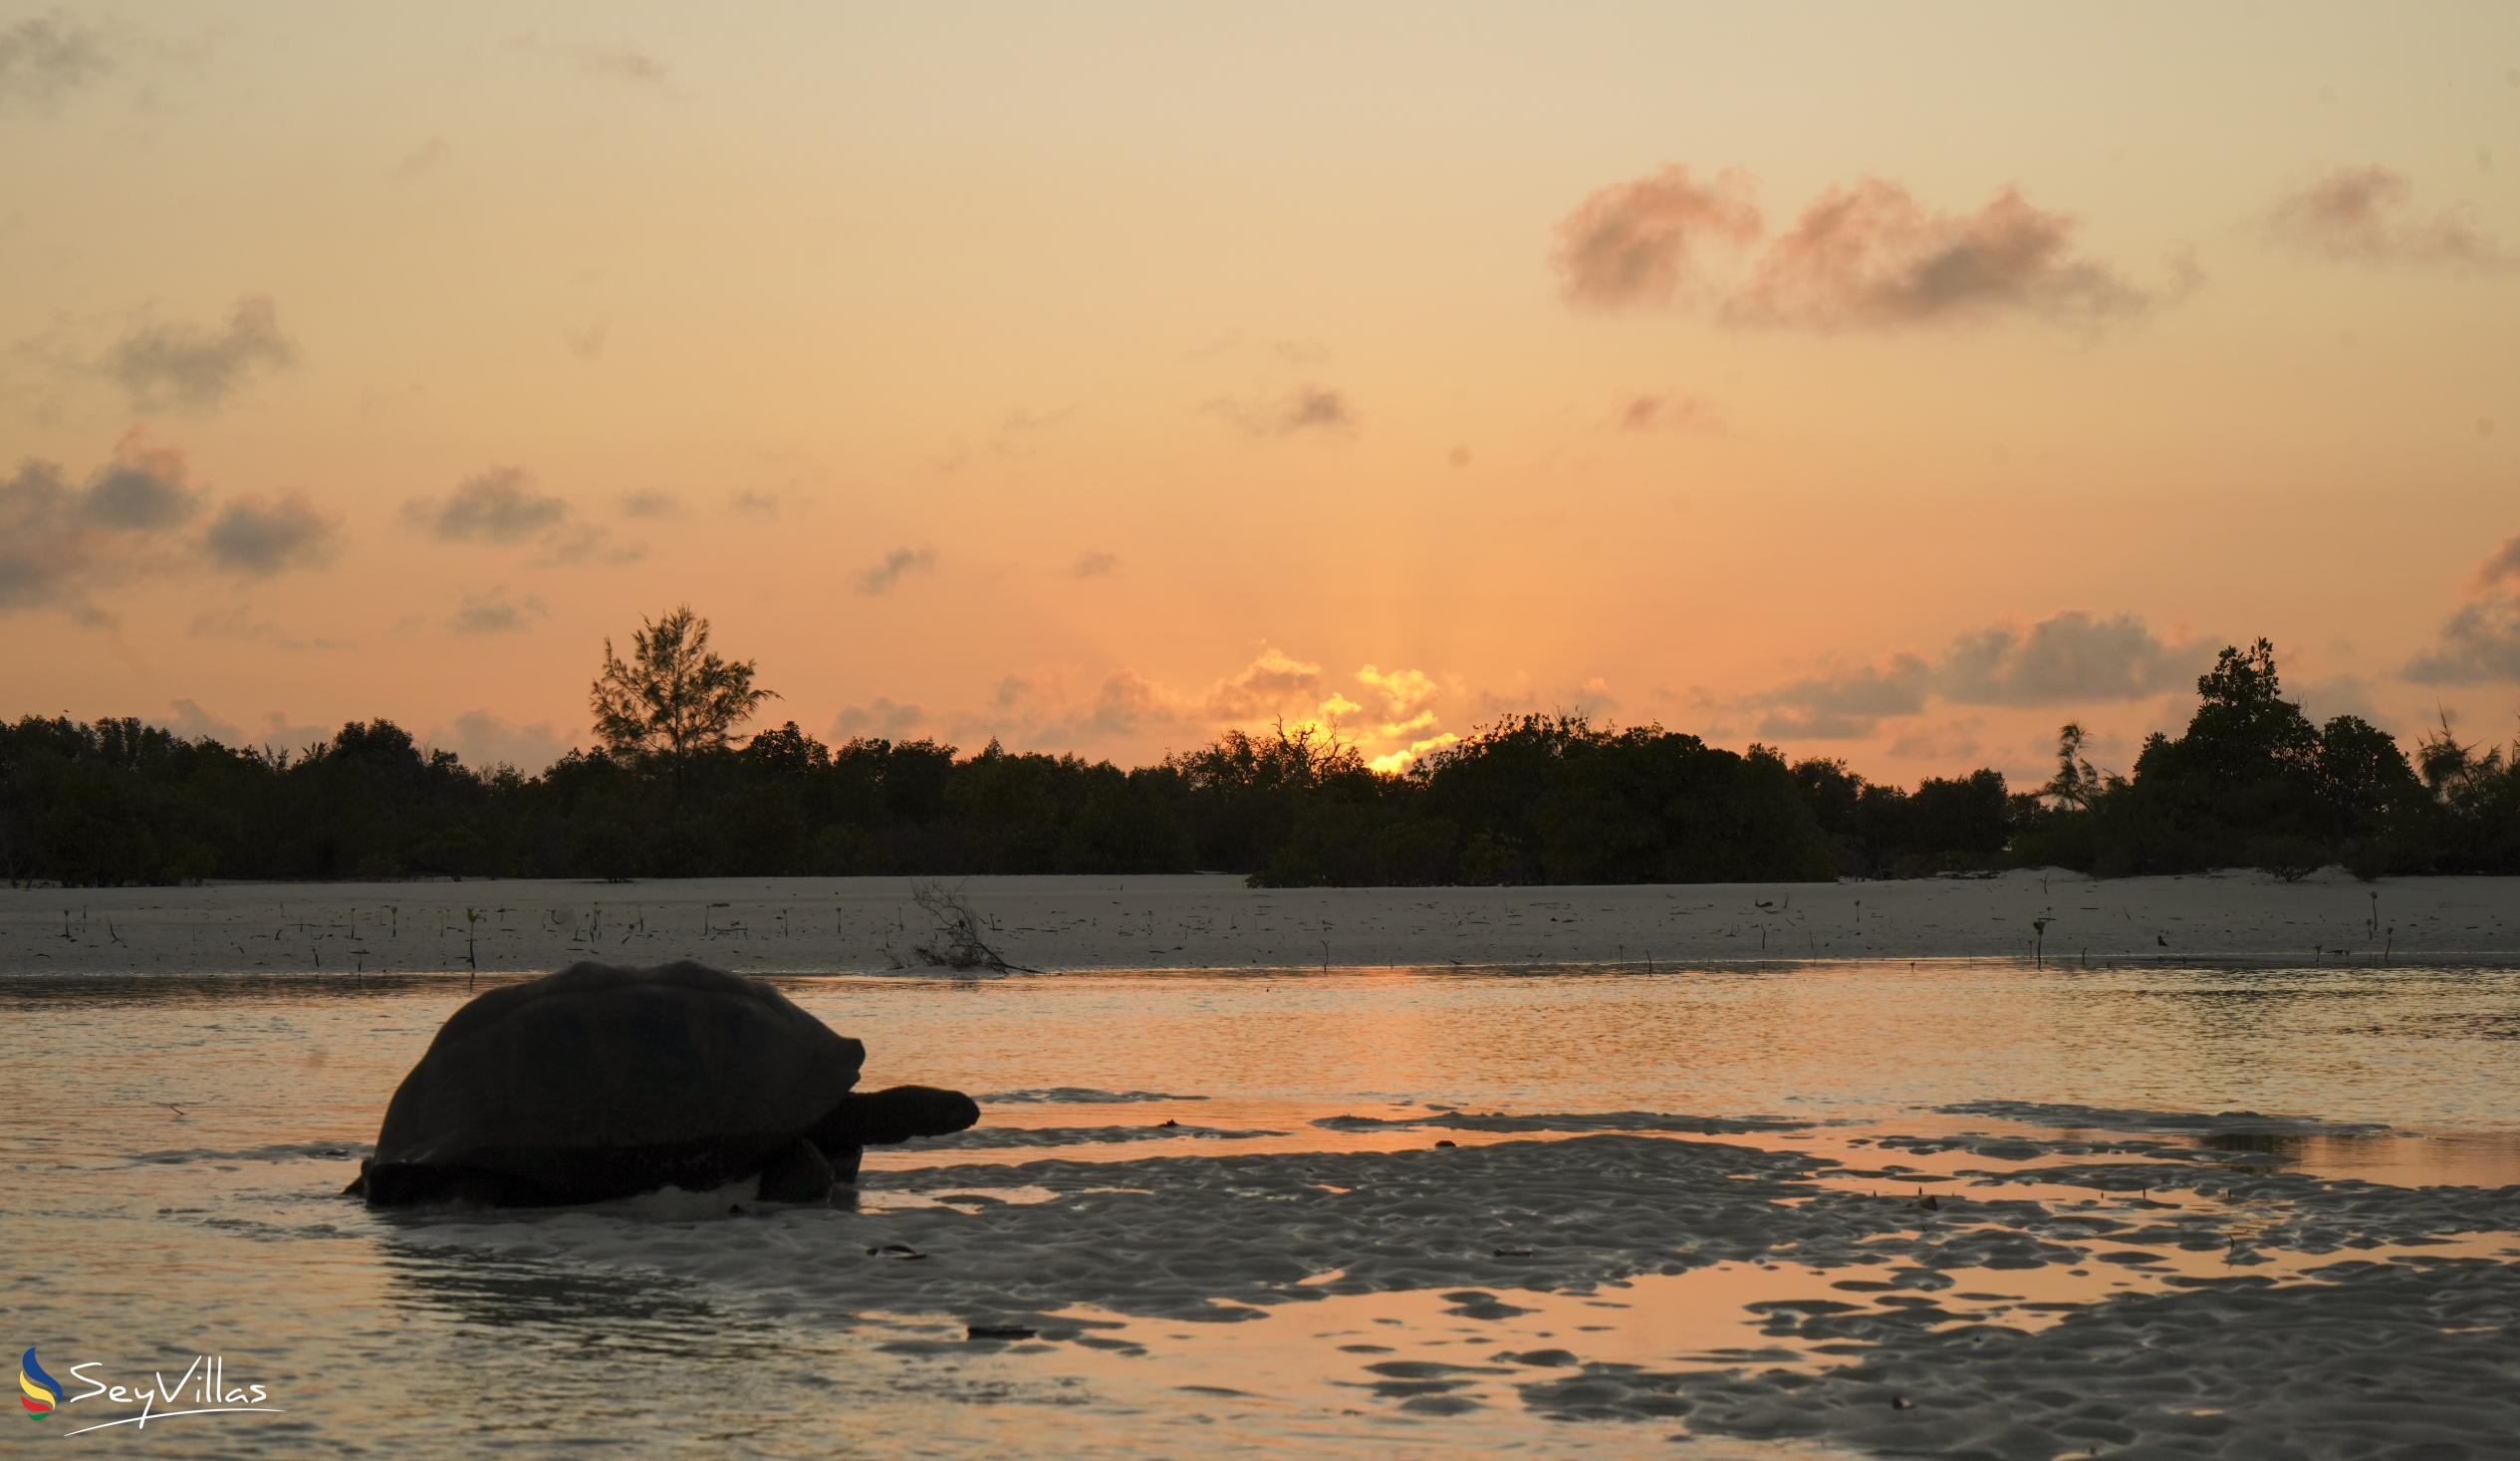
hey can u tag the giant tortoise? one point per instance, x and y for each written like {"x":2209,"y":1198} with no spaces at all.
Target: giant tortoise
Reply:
{"x":600,"y":1082}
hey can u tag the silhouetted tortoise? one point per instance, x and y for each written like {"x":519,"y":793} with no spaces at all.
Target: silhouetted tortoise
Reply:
{"x":600,"y":1082}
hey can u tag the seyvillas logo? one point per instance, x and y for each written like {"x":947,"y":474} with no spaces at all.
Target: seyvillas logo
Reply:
{"x":39,"y":1392}
{"x":202,"y":1388}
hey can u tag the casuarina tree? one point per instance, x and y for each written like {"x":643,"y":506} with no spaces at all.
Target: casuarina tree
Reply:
{"x":676,"y":697}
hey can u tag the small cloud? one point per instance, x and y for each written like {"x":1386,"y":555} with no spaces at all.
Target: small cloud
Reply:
{"x":143,"y":489}
{"x":1593,"y":697}
{"x":617,"y":63}
{"x":192,"y":368}
{"x":484,"y":740}
{"x":187,"y":719}
{"x":755,"y":504}
{"x":2346,"y":694}
{"x":2502,"y":566}
{"x":1125,"y":704}
{"x":420,"y":161}
{"x":60,"y":542}
{"x":1863,"y":256}
{"x":578,"y":542}
{"x":1264,"y":687}
{"x":2480,"y":643}
{"x":1815,"y":725}
{"x":896,"y":565}
{"x":238,"y":621}
{"x":45,"y":58}
{"x":1306,"y":408}
{"x":1846,"y":703}
{"x":258,"y":537}
{"x":1392,"y":763}
{"x":1094,"y":564}
{"x":492,"y":611}
{"x":882,"y":718}
{"x":620,"y":63}
{"x":2367,"y":215}
{"x":1633,"y":243}
{"x":650,"y":505}
{"x":1403,"y":694}
{"x":1869,"y":256}
{"x":1338,"y":709}
{"x":1946,"y":746}
{"x":1673,"y":412}
{"x":2068,"y":658}
{"x":276,"y":733}
{"x":587,"y":343}
{"x":1021,"y":430}
{"x":497,"y":506}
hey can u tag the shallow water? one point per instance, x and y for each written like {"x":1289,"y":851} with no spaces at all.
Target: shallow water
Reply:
{"x":171,"y":1147}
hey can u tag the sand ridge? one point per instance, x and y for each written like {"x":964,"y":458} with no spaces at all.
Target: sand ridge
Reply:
{"x":868,"y":925}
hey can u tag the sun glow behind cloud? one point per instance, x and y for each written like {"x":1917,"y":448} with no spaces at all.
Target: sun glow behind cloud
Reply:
{"x":1707,"y":366}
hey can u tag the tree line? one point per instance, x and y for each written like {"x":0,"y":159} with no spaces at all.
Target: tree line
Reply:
{"x":1535,"y":799}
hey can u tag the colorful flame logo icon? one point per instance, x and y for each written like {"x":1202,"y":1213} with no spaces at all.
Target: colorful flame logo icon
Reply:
{"x":41,"y":1392}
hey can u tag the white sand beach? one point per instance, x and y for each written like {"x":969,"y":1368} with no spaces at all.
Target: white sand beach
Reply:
{"x":860,"y":925}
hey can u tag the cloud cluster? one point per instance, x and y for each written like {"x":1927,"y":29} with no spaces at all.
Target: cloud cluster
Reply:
{"x":2069,"y":658}
{"x":494,"y":611}
{"x":497,"y":506}
{"x":1870,"y":255}
{"x":61,"y":542}
{"x":2480,"y":643}
{"x":889,"y":571}
{"x":275,"y":732}
{"x":1846,"y":703}
{"x":617,"y":63}
{"x":420,"y":161}
{"x":1634,"y":243}
{"x":45,"y":58}
{"x":502,"y":507}
{"x":2367,"y":215}
{"x":1094,"y":563}
{"x":261,"y":535}
{"x":1667,"y":412}
{"x":1264,"y":687}
{"x":613,"y":63}
{"x":484,"y":740}
{"x":1866,"y":255}
{"x":198,"y":367}
{"x":880,"y":719}
{"x":1306,"y":407}
{"x":236,"y":620}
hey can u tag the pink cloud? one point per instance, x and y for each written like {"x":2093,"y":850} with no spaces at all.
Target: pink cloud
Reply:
{"x":1631,"y":244}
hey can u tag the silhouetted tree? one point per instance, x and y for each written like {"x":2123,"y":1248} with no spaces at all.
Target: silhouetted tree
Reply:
{"x":1531,"y":799}
{"x":674,"y":697}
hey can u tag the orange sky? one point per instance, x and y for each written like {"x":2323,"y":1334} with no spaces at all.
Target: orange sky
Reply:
{"x":1888,"y":383}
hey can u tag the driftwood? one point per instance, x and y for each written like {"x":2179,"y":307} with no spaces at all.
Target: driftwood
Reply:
{"x":955,"y":942}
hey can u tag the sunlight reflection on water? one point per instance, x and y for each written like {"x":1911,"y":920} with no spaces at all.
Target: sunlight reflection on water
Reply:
{"x":172,"y":1145}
